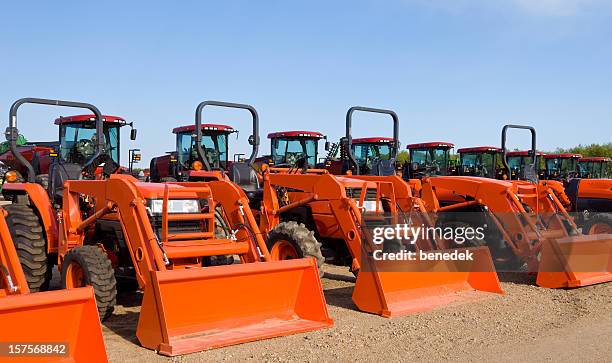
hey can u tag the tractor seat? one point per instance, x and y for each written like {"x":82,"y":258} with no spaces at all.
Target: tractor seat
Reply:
{"x":58,"y":174}
{"x":383,"y":168}
{"x":243,"y":175}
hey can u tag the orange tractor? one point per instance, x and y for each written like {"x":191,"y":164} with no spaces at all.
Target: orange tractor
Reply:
{"x":589,"y":200}
{"x":343,"y":210}
{"x":59,"y":324}
{"x":526,"y":225}
{"x":311,"y":213}
{"x":169,"y":238}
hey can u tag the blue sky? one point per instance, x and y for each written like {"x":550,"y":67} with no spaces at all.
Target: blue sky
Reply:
{"x":453,"y":70}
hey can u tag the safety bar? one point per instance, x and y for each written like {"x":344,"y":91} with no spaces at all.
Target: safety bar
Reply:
{"x":349,"y":137}
{"x":254,"y":139}
{"x":12,"y":133}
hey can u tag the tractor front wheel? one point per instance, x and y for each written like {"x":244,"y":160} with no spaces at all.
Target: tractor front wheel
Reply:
{"x":90,"y":266}
{"x":598,"y":224}
{"x":290,"y":240}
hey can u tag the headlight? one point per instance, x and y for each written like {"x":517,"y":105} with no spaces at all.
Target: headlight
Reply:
{"x":370,"y":206}
{"x":175,"y":206}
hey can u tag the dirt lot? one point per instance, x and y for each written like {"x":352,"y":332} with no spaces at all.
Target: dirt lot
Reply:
{"x":526,"y":324}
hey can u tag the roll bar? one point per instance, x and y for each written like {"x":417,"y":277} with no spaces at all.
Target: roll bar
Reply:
{"x":253,"y":139}
{"x":530,"y":170}
{"x":349,"y":137}
{"x":12,"y":133}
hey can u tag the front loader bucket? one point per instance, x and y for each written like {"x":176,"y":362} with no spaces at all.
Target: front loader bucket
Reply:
{"x":575,"y":261}
{"x":394,"y":288}
{"x":53,"y":318}
{"x":190,"y":310}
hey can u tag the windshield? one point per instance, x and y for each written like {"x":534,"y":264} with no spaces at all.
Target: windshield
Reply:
{"x":592,"y":169}
{"x":77,"y":141}
{"x":368,"y":152}
{"x":561,"y":167}
{"x":214,"y":145}
{"x":289,"y":150}
{"x":479,"y":164}
{"x":431,"y":161}
{"x":514,"y":162}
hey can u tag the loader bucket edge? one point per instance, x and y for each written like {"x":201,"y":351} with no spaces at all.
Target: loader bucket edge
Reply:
{"x":575,"y":261}
{"x":192,"y":310}
{"x":62,"y":316}
{"x":406,"y":287}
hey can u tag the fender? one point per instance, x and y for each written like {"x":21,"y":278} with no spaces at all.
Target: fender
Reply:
{"x":40,"y":200}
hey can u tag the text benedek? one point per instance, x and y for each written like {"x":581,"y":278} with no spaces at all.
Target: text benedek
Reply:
{"x":456,"y":255}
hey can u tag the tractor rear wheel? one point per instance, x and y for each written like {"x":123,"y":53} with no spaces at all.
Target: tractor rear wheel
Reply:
{"x":90,"y":266}
{"x":30,"y":242}
{"x":290,"y":240}
{"x":598,"y":224}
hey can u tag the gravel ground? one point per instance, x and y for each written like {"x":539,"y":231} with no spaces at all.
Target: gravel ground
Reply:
{"x":528,"y":323}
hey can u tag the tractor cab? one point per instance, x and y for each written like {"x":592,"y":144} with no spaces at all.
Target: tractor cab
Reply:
{"x":561,"y":166}
{"x":482,"y":161}
{"x":77,"y":138}
{"x":370,"y":150}
{"x":428,"y":159}
{"x":183,"y":163}
{"x":76,"y":146}
{"x":370,"y":155}
{"x":518,"y":159}
{"x":595,"y":167}
{"x":289,"y":147}
{"x":214,"y":143}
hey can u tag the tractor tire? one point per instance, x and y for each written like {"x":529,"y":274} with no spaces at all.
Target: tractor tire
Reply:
{"x":30,"y":242}
{"x":43,"y":180}
{"x":599,"y":223}
{"x":89,"y":266}
{"x":168,"y":179}
{"x":222,"y":231}
{"x":291,"y":240}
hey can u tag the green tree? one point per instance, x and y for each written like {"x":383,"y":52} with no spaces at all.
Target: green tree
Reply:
{"x":589,"y":150}
{"x":402,"y":157}
{"x":604,"y":150}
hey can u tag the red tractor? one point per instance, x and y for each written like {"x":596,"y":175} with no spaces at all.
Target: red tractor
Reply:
{"x":561,"y":166}
{"x":183,"y":164}
{"x":429,"y":159}
{"x":483,"y":161}
{"x":595,"y":167}
{"x":518,"y":159}
{"x":289,"y":148}
{"x":367,"y":155}
{"x":202,"y":150}
{"x":76,"y":145}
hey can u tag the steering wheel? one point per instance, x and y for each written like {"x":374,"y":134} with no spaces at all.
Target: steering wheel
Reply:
{"x":86,"y":148}
{"x":292,"y":157}
{"x":212,"y":155}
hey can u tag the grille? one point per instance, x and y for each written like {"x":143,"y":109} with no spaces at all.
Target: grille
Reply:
{"x":175,"y":226}
{"x":355,"y":193}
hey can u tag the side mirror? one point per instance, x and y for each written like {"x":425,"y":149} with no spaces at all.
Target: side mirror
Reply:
{"x":133,"y":133}
{"x":251,"y":140}
{"x":327,"y":144}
